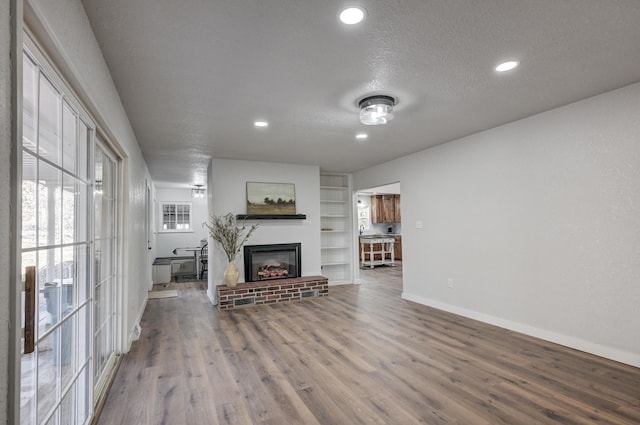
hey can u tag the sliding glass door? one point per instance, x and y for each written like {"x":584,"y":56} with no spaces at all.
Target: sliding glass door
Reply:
{"x":56,"y":386}
{"x":105,"y":264}
{"x":69,"y":253}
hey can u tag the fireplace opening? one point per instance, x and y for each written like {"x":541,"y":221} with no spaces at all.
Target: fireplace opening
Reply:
{"x":275,"y":261}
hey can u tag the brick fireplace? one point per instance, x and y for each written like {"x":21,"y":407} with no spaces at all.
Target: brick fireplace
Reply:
{"x":274,"y":261}
{"x":273,"y":274}
{"x":271,"y":291}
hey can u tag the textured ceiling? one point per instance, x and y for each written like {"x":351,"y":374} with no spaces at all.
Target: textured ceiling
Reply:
{"x":194,"y":75}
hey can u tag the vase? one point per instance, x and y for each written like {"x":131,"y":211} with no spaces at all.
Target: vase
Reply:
{"x":231,"y":275}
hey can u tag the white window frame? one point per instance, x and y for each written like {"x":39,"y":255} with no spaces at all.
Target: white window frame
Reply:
{"x":161,"y":223}
{"x":364,"y":217}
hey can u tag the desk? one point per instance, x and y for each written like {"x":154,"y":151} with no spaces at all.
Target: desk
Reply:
{"x":369,"y":256}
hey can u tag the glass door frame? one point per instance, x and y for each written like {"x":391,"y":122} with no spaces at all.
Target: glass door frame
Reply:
{"x":101,"y":383}
{"x":58,"y":124}
{"x":25,"y":40}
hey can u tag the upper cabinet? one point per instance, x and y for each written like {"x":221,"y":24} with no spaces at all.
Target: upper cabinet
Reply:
{"x":385,"y":209}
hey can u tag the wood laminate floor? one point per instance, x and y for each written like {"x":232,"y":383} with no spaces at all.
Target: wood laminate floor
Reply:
{"x":362,"y":355}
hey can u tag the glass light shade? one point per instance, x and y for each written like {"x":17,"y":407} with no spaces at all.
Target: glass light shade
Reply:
{"x":197,"y":192}
{"x":376,"y":110}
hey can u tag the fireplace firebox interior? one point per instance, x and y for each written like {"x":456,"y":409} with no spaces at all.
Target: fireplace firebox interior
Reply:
{"x":275,"y":261}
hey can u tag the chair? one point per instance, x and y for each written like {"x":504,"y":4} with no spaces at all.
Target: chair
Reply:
{"x":203,"y":260}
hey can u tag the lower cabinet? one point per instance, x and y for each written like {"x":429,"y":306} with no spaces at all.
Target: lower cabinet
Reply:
{"x":397,"y":247}
{"x":161,"y":273}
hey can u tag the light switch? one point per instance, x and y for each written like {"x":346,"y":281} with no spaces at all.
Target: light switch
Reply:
{"x":419,"y":224}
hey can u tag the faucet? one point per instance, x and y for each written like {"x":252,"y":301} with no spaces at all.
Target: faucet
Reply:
{"x":361,"y":229}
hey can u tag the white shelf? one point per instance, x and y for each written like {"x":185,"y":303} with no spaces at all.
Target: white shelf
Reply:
{"x":336,"y":244}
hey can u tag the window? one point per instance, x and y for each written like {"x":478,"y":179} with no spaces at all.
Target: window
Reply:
{"x":176,"y":217}
{"x":363,"y":217}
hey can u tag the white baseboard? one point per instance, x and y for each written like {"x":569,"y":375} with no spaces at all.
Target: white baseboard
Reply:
{"x":607,"y":352}
{"x":137,"y":331}
{"x":132,"y":333}
{"x":212,"y":298}
{"x":340,"y":282}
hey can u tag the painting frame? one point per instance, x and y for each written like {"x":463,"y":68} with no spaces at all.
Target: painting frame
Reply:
{"x":264,"y":198}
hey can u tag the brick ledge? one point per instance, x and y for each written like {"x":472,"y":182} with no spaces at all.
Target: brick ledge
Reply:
{"x":271,"y":291}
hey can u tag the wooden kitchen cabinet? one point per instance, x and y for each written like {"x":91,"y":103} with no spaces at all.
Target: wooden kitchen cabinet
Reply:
{"x":397,"y":247}
{"x":385,"y":209}
{"x":376,"y":209}
{"x":388,"y":209}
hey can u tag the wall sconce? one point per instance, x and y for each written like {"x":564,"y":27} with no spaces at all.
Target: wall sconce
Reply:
{"x":198,"y":191}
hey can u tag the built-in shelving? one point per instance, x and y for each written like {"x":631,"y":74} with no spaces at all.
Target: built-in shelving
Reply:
{"x":336,"y":223}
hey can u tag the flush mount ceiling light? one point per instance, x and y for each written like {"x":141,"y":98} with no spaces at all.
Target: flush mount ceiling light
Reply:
{"x":197,"y":192}
{"x":361,"y":136}
{"x":351,"y":15}
{"x":376,"y":110}
{"x":261,"y":124}
{"x":506,"y":66}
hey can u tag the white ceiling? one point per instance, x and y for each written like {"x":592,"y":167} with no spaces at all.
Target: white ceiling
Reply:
{"x":194,"y":75}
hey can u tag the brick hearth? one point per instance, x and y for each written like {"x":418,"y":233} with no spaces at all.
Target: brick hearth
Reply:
{"x":271,"y":291}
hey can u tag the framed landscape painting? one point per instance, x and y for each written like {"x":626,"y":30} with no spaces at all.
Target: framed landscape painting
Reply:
{"x":271,"y":198}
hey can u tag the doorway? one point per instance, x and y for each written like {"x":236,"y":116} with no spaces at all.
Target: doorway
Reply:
{"x":379,"y":225}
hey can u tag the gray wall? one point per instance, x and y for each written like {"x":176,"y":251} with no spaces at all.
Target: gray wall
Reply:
{"x":537,"y":222}
{"x":63,"y":28}
{"x":77,"y":53}
{"x":5,"y":194}
{"x":227,"y":189}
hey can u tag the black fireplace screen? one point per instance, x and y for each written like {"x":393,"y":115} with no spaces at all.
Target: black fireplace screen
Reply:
{"x":276,"y":261}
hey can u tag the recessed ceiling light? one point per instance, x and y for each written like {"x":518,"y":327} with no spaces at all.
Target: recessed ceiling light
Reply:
{"x":506,"y":66}
{"x":361,"y":136}
{"x":261,"y":124}
{"x":352,"y":15}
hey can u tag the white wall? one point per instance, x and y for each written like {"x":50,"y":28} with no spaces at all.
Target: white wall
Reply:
{"x":6,"y":142}
{"x":65,"y":30}
{"x":166,"y":242}
{"x":227,"y":186}
{"x":537,"y":222}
